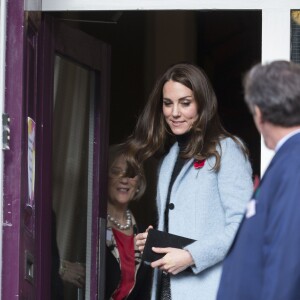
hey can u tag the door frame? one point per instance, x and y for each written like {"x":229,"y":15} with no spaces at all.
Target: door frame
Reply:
{"x":275,"y":45}
{"x":275,"y":23}
{"x":2,"y":97}
{"x":13,"y":105}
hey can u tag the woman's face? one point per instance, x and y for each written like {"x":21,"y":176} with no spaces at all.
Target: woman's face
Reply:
{"x":179,"y":107}
{"x":121,"y":190}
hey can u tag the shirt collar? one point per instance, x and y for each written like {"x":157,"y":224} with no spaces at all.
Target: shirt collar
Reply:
{"x":285,"y":138}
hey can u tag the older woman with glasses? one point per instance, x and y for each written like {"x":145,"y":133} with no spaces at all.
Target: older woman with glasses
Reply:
{"x":126,"y":277}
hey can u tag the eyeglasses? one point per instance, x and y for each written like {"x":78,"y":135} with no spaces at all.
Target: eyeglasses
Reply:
{"x":119,"y":173}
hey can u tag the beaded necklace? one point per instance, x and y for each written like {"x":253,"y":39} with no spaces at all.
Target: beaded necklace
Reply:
{"x":118,"y":224}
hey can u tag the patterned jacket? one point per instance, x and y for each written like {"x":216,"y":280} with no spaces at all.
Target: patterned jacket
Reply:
{"x":141,"y":289}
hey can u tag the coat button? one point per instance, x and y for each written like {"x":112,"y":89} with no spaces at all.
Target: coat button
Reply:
{"x":171,"y":205}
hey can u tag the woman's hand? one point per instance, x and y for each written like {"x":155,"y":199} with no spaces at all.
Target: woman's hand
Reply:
{"x":175,"y":260}
{"x":140,"y":239}
{"x":73,"y":272}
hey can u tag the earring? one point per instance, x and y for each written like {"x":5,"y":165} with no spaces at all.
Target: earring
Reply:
{"x":137,"y":190}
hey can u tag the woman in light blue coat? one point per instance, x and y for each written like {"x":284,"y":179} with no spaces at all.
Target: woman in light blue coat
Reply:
{"x":205,"y":180}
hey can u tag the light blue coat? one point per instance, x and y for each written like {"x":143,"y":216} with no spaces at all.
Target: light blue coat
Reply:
{"x":209,"y":207}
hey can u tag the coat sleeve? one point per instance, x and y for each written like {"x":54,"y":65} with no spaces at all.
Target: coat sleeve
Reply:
{"x":281,"y":267}
{"x":234,"y":181}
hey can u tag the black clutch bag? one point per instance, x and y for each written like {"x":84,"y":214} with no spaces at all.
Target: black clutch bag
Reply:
{"x":161,"y":239}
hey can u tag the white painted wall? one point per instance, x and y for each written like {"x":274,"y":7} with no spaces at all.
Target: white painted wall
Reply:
{"x":2,"y":91}
{"x":275,"y":22}
{"x":275,"y":45}
{"x":56,"y":5}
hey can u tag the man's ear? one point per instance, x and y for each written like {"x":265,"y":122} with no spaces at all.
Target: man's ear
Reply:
{"x":258,"y":118}
{"x":258,"y":115}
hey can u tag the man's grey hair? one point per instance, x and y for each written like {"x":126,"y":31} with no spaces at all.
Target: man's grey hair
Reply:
{"x":275,"y":89}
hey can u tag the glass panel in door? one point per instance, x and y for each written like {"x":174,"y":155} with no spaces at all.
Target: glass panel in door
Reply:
{"x":72,"y":187}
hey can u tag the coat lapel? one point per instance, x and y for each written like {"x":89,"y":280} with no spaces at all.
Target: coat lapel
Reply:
{"x":165,"y":176}
{"x":166,"y":173}
{"x":179,"y":179}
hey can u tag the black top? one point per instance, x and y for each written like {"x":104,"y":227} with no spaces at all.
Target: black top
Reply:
{"x":163,"y":280}
{"x":182,"y":142}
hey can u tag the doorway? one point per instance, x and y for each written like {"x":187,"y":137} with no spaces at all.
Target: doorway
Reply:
{"x":143,"y":43}
{"x":224,"y":43}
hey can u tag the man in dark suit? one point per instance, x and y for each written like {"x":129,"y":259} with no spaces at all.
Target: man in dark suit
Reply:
{"x":264,"y":260}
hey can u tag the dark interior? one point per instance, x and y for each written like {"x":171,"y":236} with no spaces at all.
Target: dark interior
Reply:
{"x":143,"y":43}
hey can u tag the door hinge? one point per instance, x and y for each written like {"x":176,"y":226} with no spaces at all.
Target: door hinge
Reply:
{"x":5,"y":131}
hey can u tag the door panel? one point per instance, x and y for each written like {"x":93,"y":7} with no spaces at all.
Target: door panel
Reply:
{"x":73,"y":89}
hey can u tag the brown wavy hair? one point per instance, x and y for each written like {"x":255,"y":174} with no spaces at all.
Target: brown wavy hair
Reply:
{"x":152,"y":134}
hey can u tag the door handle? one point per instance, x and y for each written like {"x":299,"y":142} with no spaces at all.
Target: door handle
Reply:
{"x":29,"y":266}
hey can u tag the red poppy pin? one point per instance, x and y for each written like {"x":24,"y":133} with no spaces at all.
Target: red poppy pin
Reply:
{"x":198,"y":164}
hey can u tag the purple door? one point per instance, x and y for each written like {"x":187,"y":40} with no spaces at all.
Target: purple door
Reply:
{"x":73,"y":86}
{"x":56,"y":199}
{"x":19,"y":235}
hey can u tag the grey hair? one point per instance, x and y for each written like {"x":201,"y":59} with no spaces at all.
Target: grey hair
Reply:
{"x":275,"y":89}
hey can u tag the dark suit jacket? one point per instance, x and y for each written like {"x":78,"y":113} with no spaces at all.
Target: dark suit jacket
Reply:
{"x":264,"y":261}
